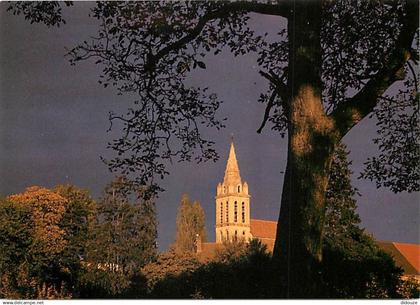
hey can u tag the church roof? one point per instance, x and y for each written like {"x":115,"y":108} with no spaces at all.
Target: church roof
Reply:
{"x":406,"y":256}
{"x":232,"y":174}
{"x":263,"y":228}
{"x":411,"y":252}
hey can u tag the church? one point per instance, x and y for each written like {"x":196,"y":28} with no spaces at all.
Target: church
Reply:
{"x":233,"y":213}
{"x":234,"y":222}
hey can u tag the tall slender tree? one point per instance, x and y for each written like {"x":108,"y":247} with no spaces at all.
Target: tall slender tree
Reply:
{"x":341,"y":219}
{"x":190,"y":222}
{"x":346,"y":244}
{"x":77,"y":222}
{"x":124,"y":239}
{"x":199,"y":220}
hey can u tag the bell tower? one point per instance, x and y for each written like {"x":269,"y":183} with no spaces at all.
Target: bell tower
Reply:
{"x":232,"y":204}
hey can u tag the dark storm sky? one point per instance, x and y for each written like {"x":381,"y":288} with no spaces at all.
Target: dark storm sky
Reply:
{"x":53,"y":122}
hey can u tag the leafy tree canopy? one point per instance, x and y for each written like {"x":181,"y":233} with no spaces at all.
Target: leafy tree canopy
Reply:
{"x":148,"y":48}
{"x":122,"y":241}
{"x":47,"y":231}
{"x":169,"y":264}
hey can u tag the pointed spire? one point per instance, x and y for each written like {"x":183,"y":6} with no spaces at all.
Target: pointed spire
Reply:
{"x":232,"y":174}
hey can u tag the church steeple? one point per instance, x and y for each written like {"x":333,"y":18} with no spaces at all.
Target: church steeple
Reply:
{"x":232,"y":173}
{"x":232,"y":204}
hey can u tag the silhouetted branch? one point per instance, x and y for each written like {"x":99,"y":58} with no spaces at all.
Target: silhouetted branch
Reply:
{"x":222,"y":12}
{"x":352,"y":111}
{"x":267,"y":111}
{"x":281,"y":88}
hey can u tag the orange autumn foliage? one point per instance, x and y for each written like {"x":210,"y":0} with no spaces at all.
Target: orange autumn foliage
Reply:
{"x":47,"y":209}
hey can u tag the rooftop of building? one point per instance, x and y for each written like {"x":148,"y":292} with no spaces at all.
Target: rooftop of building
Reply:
{"x":406,"y":255}
{"x":263,"y":228}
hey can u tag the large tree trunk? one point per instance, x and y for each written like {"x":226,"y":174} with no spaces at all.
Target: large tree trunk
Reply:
{"x":298,"y":245}
{"x":311,"y":141}
{"x":313,"y":136}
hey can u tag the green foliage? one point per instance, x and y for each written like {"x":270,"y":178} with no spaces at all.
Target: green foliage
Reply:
{"x":341,"y":218}
{"x":365,"y":271}
{"x":353,"y":265}
{"x":58,"y":243}
{"x":242,"y":271}
{"x":109,"y":251}
{"x":16,"y":235}
{"x":43,"y":272}
{"x":231,"y":251}
{"x":77,"y":221}
{"x":199,"y":220}
{"x":46,"y":230}
{"x":397,"y":133}
{"x":169,"y":264}
{"x":346,"y":245}
{"x":122,"y":241}
{"x":190,"y":221}
{"x":409,"y":288}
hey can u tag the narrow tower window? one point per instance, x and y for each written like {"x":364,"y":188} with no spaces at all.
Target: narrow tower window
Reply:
{"x":227,"y":211}
{"x":236,"y":212}
{"x":243,"y":212}
{"x":239,"y":188}
{"x":227,"y":234}
{"x":236,"y":235}
{"x":221,"y":212}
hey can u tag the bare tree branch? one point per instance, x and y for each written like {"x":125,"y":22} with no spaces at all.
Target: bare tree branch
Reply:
{"x":267,"y":111}
{"x":278,"y":83}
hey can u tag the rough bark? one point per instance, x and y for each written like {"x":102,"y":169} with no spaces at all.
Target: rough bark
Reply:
{"x":312,"y":137}
{"x":311,"y":141}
